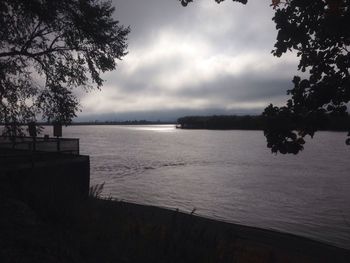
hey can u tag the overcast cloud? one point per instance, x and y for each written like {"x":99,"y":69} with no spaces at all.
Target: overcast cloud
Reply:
{"x":207,"y":58}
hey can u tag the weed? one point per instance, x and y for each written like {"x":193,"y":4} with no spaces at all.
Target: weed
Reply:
{"x":95,"y":191}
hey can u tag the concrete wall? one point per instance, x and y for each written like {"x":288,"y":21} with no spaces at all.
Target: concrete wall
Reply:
{"x":55,"y":181}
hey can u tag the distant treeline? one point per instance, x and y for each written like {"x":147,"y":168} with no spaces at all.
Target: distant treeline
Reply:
{"x":223,"y":122}
{"x":97,"y":122}
{"x":249,"y":122}
{"x":133,"y":122}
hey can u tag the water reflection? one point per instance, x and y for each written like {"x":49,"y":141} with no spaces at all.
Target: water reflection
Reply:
{"x":155,"y":128}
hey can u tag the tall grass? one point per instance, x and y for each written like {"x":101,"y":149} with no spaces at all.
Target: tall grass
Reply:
{"x":95,"y":191}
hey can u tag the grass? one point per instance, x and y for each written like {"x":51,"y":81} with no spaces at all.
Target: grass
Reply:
{"x":95,"y":191}
{"x":101,"y":230}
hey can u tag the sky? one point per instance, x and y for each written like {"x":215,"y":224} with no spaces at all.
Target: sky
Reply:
{"x":203,"y":59}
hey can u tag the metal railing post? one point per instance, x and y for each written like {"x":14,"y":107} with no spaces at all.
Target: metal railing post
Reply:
{"x":58,"y":144}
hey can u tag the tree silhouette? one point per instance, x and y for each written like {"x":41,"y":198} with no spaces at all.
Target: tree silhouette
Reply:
{"x":185,"y":2}
{"x":47,"y":49}
{"x":319,"y":32}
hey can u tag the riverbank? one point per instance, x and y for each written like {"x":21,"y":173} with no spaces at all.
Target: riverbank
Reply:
{"x":256,"y":122}
{"x":97,"y":230}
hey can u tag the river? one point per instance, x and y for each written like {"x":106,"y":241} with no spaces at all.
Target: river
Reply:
{"x":226,"y":175}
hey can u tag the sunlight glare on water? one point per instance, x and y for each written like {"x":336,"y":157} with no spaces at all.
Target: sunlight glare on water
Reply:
{"x":155,"y":128}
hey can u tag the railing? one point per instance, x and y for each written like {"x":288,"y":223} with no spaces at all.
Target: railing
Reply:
{"x":41,"y":144}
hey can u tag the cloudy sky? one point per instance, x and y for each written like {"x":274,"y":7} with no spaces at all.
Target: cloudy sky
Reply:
{"x":206,"y":58}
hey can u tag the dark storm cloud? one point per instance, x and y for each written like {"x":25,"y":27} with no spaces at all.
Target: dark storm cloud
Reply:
{"x":227,"y":25}
{"x":146,"y":17}
{"x":202,"y":58}
{"x":244,"y":88}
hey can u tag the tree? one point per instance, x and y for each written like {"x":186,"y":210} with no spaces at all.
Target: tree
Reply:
{"x":185,"y":2}
{"x":319,"y":32}
{"x":47,"y":49}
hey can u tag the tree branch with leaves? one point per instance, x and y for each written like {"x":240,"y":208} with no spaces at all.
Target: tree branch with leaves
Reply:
{"x":49,"y":48}
{"x":319,"y":32}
